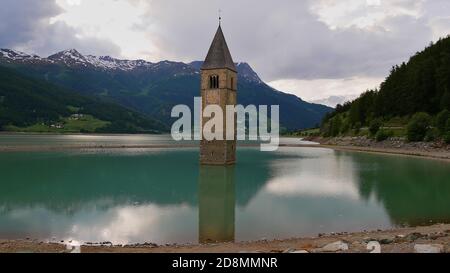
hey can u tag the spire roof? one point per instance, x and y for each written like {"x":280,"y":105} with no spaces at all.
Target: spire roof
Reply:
{"x":219,"y":55}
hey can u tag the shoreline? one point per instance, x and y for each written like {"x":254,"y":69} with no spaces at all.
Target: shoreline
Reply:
{"x":393,"y":152}
{"x":442,"y":155}
{"x":394,"y":146}
{"x":399,"y":240}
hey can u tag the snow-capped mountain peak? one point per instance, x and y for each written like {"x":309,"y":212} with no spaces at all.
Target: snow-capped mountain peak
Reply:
{"x":15,"y":55}
{"x":69,"y":57}
{"x":71,"y":53}
{"x":107,"y":62}
{"x":73,"y":58}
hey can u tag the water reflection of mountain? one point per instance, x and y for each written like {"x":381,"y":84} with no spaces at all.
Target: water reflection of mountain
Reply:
{"x":63,"y":181}
{"x":413,"y":191}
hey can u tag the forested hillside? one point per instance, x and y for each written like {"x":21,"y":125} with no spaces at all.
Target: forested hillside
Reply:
{"x":33,"y":105}
{"x":416,"y":96}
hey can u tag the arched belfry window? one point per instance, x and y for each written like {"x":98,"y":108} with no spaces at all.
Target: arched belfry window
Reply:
{"x":214,"y":82}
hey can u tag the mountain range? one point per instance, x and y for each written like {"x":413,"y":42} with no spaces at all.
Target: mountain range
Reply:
{"x":149,"y":89}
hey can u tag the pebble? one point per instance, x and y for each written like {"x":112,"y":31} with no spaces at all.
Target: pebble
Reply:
{"x":368,"y":239}
{"x":414,"y":236}
{"x":356,"y":244}
{"x":435,"y":236}
{"x":434,"y":248}
{"x":447,"y":249}
{"x":334,"y":247}
{"x":289,"y":250}
{"x":300,"y":252}
{"x":386,"y":241}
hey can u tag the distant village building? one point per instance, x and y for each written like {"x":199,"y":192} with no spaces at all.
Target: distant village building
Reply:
{"x":218,"y":87}
{"x":76,"y":116}
{"x":57,"y":126}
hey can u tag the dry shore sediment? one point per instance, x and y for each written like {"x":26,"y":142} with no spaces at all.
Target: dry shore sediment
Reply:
{"x":434,"y":238}
{"x":430,"y":150}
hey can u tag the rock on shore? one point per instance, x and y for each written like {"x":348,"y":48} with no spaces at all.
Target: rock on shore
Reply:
{"x":431,"y":239}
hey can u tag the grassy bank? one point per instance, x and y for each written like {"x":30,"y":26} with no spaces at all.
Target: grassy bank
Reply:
{"x":84,"y":124}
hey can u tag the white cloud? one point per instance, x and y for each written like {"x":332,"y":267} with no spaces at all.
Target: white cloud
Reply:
{"x":290,"y":39}
{"x":310,"y":48}
{"x":115,"y":21}
{"x":364,"y":14}
{"x":311,"y":90}
{"x":439,"y":26}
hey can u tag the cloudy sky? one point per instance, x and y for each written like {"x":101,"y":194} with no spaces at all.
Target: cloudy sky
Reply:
{"x":312,"y":48}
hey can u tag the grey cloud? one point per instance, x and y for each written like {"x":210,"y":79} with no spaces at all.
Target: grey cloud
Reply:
{"x":437,"y":8}
{"x":284,"y":39}
{"x":59,"y":36}
{"x":280,"y":39}
{"x":25,"y":25}
{"x":19,"y":18}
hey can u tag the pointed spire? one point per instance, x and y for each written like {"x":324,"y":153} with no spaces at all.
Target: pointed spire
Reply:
{"x":219,"y":55}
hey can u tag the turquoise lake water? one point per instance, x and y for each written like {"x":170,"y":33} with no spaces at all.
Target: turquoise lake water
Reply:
{"x":164,"y":196}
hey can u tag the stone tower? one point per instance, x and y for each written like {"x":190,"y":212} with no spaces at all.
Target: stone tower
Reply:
{"x":219,"y":87}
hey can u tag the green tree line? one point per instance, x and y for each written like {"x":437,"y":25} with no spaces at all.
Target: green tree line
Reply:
{"x":416,"y":93}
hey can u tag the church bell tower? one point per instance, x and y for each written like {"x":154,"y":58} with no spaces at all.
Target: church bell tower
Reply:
{"x":218,"y":87}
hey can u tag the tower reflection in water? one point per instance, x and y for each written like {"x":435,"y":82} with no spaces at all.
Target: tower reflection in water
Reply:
{"x":216,"y":204}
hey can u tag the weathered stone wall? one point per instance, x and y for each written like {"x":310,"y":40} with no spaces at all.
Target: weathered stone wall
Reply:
{"x":219,"y":152}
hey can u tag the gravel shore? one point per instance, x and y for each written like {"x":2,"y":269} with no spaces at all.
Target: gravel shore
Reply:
{"x":430,"y":239}
{"x":396,"y":146}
